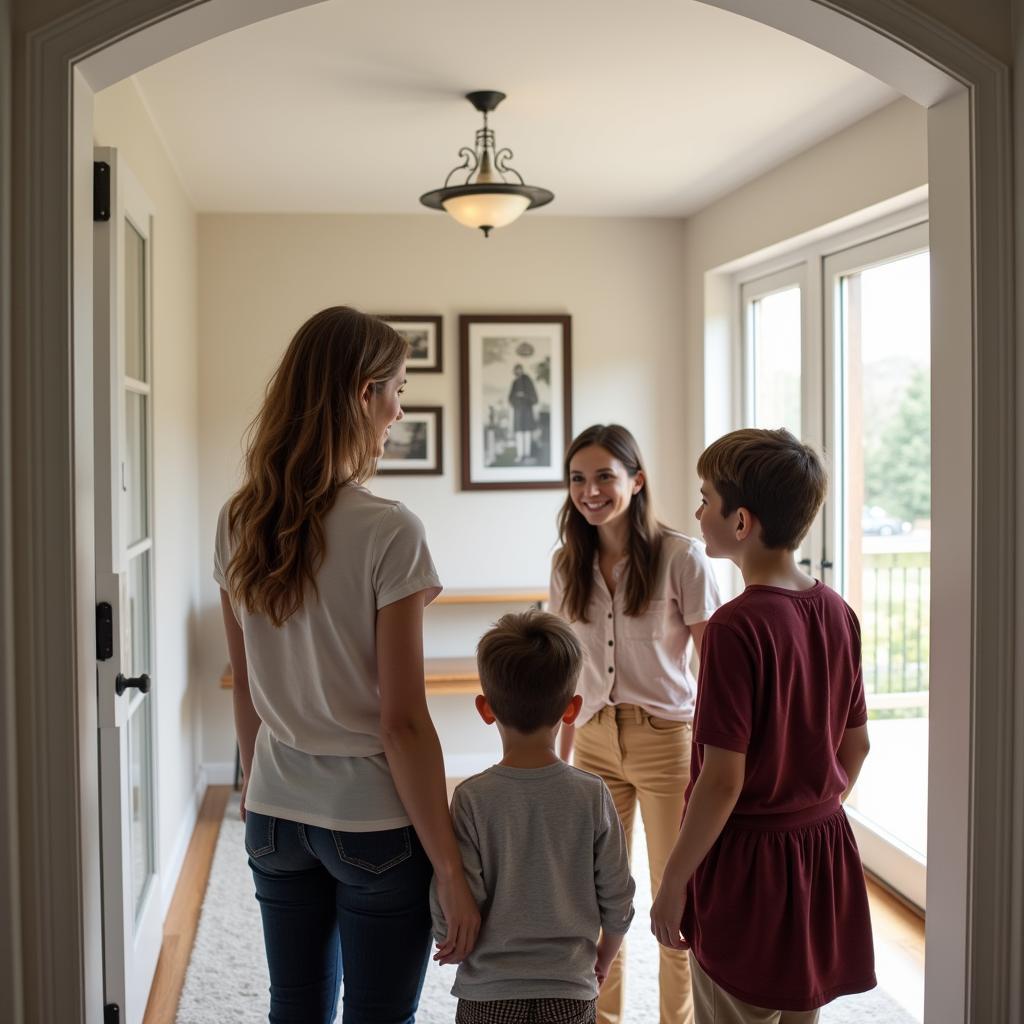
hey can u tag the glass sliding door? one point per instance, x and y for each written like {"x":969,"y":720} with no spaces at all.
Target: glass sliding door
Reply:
{"x":837,"y":349}
{"x":878,"y":527}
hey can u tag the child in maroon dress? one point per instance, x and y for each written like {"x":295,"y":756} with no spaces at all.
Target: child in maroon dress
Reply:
{"x":765,"y":884}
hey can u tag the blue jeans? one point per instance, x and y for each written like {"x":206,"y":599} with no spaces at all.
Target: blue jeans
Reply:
{"x":328,"y":899}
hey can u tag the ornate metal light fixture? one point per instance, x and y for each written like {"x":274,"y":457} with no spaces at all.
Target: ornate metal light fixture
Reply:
{"x":486,"y":199}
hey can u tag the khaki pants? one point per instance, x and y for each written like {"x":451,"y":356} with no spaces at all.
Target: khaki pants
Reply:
{"x":644,"y":760}
{"x":713,"y":1005}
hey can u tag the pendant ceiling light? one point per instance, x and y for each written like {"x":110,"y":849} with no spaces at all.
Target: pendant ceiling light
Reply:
{"x":486,"y":199}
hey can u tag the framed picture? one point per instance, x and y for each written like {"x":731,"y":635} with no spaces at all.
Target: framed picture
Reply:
{"x":516,"y":395}
{"x":414,"y":446}
{"x":426,"y":352}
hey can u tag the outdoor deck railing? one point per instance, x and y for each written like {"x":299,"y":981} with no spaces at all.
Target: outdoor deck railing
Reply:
{"x":895,"y":607}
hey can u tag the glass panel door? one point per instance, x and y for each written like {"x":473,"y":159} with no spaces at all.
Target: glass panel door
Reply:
{"x":125,"y":584}
{"x":773,"y":341}
{"x":878,"y":329}
{"x":782,"y":364}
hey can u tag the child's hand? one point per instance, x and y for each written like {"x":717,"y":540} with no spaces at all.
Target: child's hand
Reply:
{"x":607,"y":948}
{"x":667,"y":916}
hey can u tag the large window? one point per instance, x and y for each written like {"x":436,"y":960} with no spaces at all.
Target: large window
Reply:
{"x":836,"y":347}
{"x":877,"y":329}
{"x":773,"y":313}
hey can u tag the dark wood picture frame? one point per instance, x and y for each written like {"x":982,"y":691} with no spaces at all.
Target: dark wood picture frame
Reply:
{"x":405,"y":323}
{"x":475,"y":476}
{"x":412,"y":413}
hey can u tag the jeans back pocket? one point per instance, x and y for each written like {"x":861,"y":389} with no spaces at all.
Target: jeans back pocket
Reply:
{"x":260,"y":834}
{"x":375,"y":852}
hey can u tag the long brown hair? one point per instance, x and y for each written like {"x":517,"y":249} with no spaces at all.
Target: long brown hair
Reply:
{"x":574,"y":561}
{"x":312,"y":434}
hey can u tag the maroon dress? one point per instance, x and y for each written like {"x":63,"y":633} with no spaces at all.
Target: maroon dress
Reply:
{"x":777,"y":913}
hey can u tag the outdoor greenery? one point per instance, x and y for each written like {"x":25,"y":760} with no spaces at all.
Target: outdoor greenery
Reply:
{"x":899,"y":459}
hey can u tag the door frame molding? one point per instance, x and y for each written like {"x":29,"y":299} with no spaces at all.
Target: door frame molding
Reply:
{"x":49,"y":347}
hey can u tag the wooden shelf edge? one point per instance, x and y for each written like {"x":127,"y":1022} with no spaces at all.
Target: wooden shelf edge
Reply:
{"x":525,"y":595}
{"x":442,"y":676}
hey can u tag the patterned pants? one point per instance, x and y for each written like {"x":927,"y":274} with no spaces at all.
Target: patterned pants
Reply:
{"x":527,"y":1011}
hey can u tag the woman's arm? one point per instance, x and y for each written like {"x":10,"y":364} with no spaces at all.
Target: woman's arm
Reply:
{"x":414,"y":756}
{"x":853,"y":749}
{"x":697,"y":632}
{"x":247,"y":722}
{"x":713,"y":798}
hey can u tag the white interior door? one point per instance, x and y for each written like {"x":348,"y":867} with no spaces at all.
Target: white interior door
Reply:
{"x":123,"y":385}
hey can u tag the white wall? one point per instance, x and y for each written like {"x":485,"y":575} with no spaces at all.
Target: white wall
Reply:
{"x":121,"y":121}
{"x":261,"y":276}
{"x":883,"y":156}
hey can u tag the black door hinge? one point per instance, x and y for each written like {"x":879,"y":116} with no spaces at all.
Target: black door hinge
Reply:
{"x":100,"y":190}
{"x":111,"y":1014}
{"x":104,"y":631}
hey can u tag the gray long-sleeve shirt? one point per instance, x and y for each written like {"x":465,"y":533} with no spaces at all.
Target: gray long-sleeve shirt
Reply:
{"x":545,"y":857}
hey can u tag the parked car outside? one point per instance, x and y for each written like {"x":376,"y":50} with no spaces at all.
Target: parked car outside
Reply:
{"x":875,"y":521}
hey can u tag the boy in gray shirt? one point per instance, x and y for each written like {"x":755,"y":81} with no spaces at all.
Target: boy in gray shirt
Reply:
{"x":542,"y":845}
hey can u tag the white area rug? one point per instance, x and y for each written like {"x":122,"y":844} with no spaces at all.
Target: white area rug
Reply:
{"x":227,"y":981}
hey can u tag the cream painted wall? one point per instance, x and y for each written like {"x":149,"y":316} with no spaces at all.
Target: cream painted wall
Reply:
{"x":121,"y":121}
{"x":261,"y":276}
{"x":882,"y":156}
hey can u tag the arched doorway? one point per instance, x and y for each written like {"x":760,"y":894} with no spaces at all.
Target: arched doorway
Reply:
{"x":967,"y":95}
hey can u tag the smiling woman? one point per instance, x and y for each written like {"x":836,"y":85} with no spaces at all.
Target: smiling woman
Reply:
{"x":638,"y":595}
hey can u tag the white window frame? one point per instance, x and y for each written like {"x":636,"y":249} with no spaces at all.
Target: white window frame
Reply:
{"x":812,"y":263}
{"x":802,"y":263}
{"x":902,"y":867}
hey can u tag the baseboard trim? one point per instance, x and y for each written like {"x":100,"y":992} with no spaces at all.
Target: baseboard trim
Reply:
{"x":219,"y":773}
{"x":172,"y":869}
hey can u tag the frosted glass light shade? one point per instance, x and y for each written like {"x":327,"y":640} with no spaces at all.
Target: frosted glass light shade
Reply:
{"x":486,"y":209}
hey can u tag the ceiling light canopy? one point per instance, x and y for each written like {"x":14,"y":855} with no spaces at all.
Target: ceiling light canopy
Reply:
{"x":486,"y":199}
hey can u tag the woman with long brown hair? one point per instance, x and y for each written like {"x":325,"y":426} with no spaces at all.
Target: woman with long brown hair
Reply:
{"x":323,"y":587}
{"x":637,"y":594}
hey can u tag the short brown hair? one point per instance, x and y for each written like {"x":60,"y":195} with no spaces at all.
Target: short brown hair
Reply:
{"x":529,"y":664}
{"x":777,"y":477}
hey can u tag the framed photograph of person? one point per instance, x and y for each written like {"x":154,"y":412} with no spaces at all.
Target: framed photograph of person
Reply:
{"x":426,"y":345}
{"x":415,"y":443}
{"x":516,"y":396}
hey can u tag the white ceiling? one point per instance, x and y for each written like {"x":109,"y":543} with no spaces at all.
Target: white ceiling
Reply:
{"x":651,"y":108}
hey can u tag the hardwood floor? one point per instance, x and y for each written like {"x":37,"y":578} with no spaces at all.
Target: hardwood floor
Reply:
{"x":899,"y":933}
{"x":183,"y":914}
{"x":899,"y":949}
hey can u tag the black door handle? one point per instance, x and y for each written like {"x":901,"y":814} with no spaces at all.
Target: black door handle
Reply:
{"x":805,"y":562}
{"x":121,"y":683}
{"x":825,"y":564}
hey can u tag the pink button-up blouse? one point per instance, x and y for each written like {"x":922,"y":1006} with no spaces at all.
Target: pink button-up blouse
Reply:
{"x":644,"y":659}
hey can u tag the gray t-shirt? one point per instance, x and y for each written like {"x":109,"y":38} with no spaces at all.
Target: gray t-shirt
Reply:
{"x":319,"y":757}
{"x":545,"y":858}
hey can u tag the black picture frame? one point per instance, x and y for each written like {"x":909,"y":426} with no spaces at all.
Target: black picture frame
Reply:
{"x":514,"y":431}
{"x":415,"y":446}
{"x":425,"y":337}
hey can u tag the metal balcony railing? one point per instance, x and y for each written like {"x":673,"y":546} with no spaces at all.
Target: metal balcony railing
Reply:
{"x":895,"y":616}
